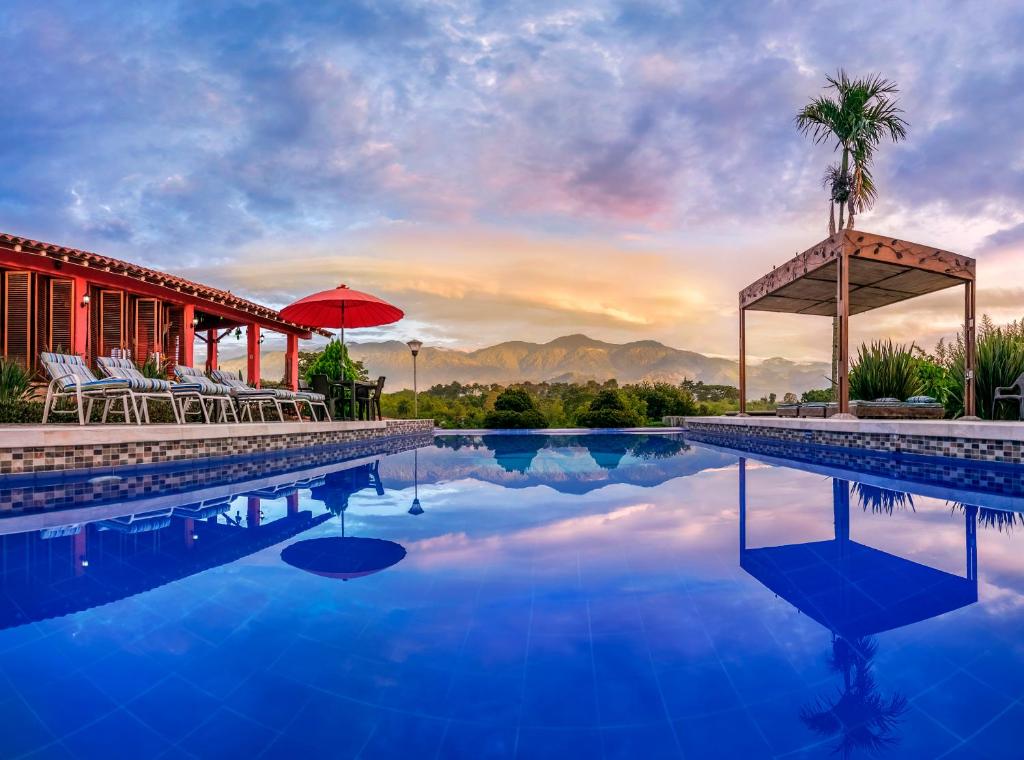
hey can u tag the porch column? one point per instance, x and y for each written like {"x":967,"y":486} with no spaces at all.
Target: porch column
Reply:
{"x":190,"y":528}
{"x":78,"y":548}
{"x":211,"y":350}
{"x":252,"y":514}
{"x":743,"y":360}
{"x":293,"y":503}
{"x":970,"y":337}
{"x":188,"y":335}
{"x":291,"y":363}
{"x":253,"y":339}
{"x":843,"y":313}
{"x":80,"y":321}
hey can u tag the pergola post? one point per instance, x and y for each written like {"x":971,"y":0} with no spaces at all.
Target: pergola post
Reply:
{"x":252,"y":332}
{"x":843,"y":314}
{"x":970,"y":405}
{"x":291,"y":362}
{"x":212,"y":344}
{"x":743,"y":360}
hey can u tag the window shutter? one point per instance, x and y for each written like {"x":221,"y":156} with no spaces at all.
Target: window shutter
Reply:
{"x":175,"y":324}
{"x":18,"y":317}
{"x":111,"y":322}
{"x":147,"y":328}
{"x":60,"y":316}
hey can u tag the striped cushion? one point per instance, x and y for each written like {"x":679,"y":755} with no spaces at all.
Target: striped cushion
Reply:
{"x":316,"y":398}
{"x":238,"y":385}
{"x":71,"y":368}
{"x":206,"y":386}
{"x":126,"y":370}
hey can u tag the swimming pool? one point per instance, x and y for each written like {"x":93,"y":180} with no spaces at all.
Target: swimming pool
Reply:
{"x":499,"y":596}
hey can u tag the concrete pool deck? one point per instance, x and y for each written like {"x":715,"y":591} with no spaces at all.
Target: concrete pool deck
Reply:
{"x":980,"y":440}
{"x":37,"y":449}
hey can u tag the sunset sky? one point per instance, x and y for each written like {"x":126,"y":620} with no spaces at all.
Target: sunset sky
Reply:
{"x":509,"y":170}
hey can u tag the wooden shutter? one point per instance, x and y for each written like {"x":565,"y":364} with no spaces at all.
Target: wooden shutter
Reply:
{"x":18,"y":317}
{"x":60,"y":316}
{"x":111,"y":322}
{"x":175,"y":317}
{"x":147,"y":328}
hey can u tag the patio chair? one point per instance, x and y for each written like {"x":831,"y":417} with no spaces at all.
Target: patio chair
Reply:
{"x":142,"y":389}
{"x":215,"y":395}
{"x":70,"y":378}
{"x":1013,"y":392}
{"x":278,"y":396}
{"x":369,"y":400}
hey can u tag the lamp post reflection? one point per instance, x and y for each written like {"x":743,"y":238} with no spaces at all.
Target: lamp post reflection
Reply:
{"x":416,"y":509}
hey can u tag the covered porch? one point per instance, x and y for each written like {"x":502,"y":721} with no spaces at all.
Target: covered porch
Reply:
{"x":54,"y":298}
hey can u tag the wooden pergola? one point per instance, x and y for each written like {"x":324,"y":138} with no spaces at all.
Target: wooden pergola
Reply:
{"x":853,"y":272}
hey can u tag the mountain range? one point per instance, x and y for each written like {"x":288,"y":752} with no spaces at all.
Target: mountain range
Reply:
{"x":572,"y":358}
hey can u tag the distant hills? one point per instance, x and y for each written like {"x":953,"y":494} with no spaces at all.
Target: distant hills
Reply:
{"x":572,"y":358}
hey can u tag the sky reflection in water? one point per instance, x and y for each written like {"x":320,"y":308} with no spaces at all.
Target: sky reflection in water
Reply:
{"x":607,"y":596}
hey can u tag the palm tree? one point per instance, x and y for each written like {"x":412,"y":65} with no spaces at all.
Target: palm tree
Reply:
{"x":860,"y":116}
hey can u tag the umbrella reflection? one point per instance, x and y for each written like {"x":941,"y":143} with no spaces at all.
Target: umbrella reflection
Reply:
{"x":343,"y":557}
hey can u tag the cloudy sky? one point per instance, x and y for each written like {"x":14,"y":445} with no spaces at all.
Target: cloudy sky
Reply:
{"x":509,"y":169}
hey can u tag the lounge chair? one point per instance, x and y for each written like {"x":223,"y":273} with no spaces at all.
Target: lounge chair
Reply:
{"x":70,"y":378}
{"x":279,"y":396}
{"x":142,"y":389}
{"x":216,"y":395}
{"x":1013,"y":392}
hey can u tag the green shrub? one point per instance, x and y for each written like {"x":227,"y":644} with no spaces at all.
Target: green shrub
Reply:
{"x":155,"y":368}
{"x":609,"y":410}
{"x":330,"y":362}
{"x":514,"y":408}
{"x":817,"y":395}
{"x":15,"y":382}
{"x":999,"y":362}
{"x":514,"y":400}
{"x":20,"y":411}
{"x":885,"y":370}
{"x":504,"y":419}
{"x":663,"y":399}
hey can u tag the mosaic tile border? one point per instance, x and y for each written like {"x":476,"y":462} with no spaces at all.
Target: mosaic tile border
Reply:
{"x":975,"y":449}
{"x":98,"y":456}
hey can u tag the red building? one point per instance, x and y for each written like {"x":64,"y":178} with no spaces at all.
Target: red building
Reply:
{"x":61,"y":299}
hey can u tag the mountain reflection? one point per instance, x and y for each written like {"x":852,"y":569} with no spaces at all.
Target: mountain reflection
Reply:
{"x":857,"y":592}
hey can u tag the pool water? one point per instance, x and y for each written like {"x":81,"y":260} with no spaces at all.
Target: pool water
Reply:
{"x":602,"y":596}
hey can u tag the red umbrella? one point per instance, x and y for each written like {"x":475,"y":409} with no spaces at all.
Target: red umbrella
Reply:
{"x":342,"y":307}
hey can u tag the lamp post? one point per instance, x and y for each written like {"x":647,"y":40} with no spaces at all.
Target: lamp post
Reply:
{"x":415,"y":346}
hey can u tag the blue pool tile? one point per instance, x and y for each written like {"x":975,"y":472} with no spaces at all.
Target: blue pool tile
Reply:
{"x":999,"y":737}
{"x":470,"y":741}
{"x":697,"y":689}
{"x":116,"y":735}
{"x":275,"y":699}
{"x":21,"y":730}
{"x":961,"y":704}
{"x":654,"y":742}
{"x":124,"y":675}
{"x":729,"y":734}
{"x":402,"y":735}
{"x":483,"y":698}
{"x":558,"y":743}
{"x":559,"y":688}
{"x":67,"y":704}
{"x":229,"y":734}
{"x":327,"y":726}
{"x":173,"y":707}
